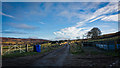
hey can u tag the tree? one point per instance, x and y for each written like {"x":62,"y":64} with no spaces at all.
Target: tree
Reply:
{"x":89,"y":33}
{"x":78,"y":37}
{"x":93,"y":33}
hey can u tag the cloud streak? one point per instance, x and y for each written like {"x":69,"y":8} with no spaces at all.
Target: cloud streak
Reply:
{"x":60,"y":0}
{"x":22,"y":26}
{"x":100,"y":14}
{"x":7,"y":15}
{"x":41,"y":22}
{"x":111,"y":18}
{"x":12,"y":32}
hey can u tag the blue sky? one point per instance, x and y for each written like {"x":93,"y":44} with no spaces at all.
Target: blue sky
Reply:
{"x":57,"y":20}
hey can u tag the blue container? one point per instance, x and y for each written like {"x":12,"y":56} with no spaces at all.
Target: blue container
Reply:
{"x":37,"y":48}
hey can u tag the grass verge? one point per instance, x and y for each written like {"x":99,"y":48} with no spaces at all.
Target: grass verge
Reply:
{"x":76,"y":49}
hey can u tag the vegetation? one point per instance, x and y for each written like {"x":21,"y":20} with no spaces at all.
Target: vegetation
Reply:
{"x":76,"y":48}
{"x":46,"y":47}
{"x":14,"y":55}
{"x":93,"y":33}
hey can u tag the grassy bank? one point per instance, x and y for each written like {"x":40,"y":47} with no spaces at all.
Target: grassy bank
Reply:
{"x":78,"y":50}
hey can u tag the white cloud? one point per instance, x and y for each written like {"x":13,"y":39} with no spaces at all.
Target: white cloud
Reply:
{"x":97,"y":18}
{"x":22,"y":26}
{"x":110,"y":8}
{"x":77,"y":10}
{"x":79,"y":24}
{"x":7,"y":15}
{"x":71,"y":32}
{"x":77,"y":30}
{"x":111,"y":18}
{"x":109,"y":31}
{"x":41,"y":22}
{"x":60,"y":0}
{"x":101,"y":13}
{"x":12,"y":32}
{"x":70,"y":11}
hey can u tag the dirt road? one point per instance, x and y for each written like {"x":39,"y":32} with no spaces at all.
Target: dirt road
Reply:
{"x":62,"y":57}
{"x":55,"y":58}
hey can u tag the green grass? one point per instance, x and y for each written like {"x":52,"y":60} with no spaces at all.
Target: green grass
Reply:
{"x":13,"y":55}
{"x":78,"y":52}
{"x":105,"y":39}
{"x":76,"y":49}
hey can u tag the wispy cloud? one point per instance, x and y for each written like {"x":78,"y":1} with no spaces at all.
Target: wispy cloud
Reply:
{"x":12,"y":32}
{"x":96,"y":18}
{"x":71,"y":10}
{"x":60,"y":0}
{"x":41,"y":22}
{"x":100,"y":14}
{"x":22,"y":26}
{"x":7,"y":15}
{"x":111,"y":18}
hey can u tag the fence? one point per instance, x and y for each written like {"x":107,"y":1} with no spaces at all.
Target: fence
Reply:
{"x":8,"y":49}
{"x":106,"y":44}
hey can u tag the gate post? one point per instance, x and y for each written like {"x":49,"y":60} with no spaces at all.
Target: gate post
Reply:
{"x":26,"y":47}
{"x":1,"y":50}
{"x":20,"y":49}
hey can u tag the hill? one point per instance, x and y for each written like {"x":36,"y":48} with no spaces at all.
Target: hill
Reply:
{"x":9,"y":41}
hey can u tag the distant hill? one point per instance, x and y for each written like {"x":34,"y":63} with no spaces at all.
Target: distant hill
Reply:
{"x":8,"y":41}
{"x":109,"y":35}
{"x":105,"y":36}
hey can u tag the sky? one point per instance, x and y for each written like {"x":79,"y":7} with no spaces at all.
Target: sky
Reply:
{"x":57,"y":20}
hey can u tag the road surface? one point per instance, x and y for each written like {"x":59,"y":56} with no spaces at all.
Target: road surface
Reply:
{"x":55,"y":58}
{"x":62,"y":57}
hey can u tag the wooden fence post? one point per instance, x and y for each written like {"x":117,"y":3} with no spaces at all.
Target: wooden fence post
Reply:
{"x":26,"y":47}
{"x":33,"y":48}
{"x":1,"y":50}
{"x":9,"y":51}
{"x":20,"y":49}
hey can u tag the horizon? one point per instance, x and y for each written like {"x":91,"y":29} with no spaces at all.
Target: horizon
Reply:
{"x":57,"y":21}
{"x":55,"y":40}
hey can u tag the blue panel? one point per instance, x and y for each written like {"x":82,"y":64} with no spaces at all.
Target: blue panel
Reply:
{"x":105,"y":47}
{"x":112,"y":47}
